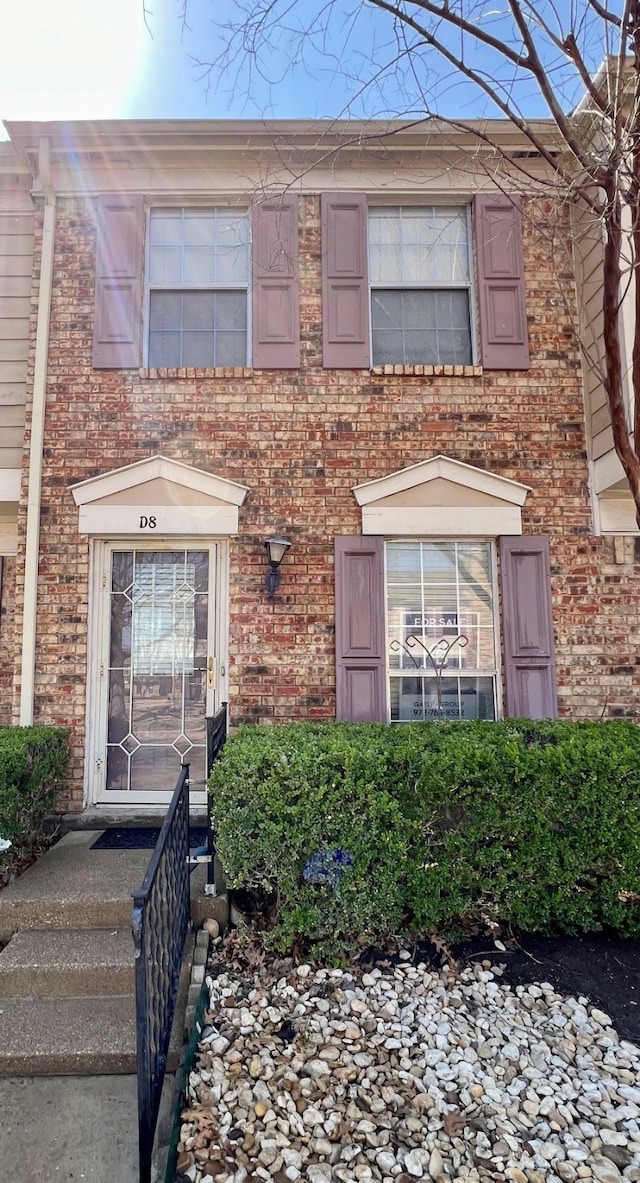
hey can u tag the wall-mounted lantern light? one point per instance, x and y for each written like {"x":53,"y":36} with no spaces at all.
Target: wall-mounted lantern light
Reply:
{"x":276,"y":549}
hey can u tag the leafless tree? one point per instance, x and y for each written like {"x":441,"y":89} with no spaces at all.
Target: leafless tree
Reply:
{"x":576,"y":62}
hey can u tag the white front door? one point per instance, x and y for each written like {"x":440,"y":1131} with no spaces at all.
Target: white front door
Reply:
{"x":159,"y":645}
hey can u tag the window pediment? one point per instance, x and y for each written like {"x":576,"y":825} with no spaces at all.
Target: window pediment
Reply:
{"x":441,"y":497}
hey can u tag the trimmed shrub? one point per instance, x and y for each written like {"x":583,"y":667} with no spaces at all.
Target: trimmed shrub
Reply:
{"x":449,"y":826}
{"x":532,"y":825}
{"x":284,"y":796}
{"x":33,"y":760}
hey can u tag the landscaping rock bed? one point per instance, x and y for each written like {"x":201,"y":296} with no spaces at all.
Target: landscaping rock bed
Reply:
{"x":404,"y":1072}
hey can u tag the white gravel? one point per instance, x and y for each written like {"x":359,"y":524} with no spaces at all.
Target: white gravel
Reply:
{"x":408,"y":1073}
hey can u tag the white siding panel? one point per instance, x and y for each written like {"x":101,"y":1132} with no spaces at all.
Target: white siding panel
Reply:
{"x":14,"y":328}
{"x":602,"y":442}
{"x":17,"y":224}
{"x":600,"y":419}
{"x":14,"y":285}
{"x":12,"y":350}
{"x":16,"y":265}
{"x":11,"y":417}
{"x":16,"y":244}
{"x":10,"y":437}
{"x":12,"y":394}
{"x":10,"y":457}
{"x":15,"y":199}
{"x":588,"y":252}
{"x":13,"y":371}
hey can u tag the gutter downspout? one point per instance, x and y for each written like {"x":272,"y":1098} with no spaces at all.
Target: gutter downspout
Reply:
{"x":42,"y":187}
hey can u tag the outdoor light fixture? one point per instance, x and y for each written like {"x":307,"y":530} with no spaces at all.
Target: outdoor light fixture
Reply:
{"x":276,"y":548}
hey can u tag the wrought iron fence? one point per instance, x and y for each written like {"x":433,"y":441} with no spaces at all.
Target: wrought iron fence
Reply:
{"x":160,"y":922}
{"x":216,"y":739}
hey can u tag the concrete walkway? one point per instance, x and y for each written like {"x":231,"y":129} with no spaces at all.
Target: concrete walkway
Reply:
{"x":68,"y":1098}
{"x":62,"y":1129}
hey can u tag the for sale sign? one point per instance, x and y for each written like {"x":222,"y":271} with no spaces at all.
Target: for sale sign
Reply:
{"x":432,"y":621}
{"x":414,"y":707}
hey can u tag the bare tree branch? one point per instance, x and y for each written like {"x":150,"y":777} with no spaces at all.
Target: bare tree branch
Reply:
{"x":586,"y":155}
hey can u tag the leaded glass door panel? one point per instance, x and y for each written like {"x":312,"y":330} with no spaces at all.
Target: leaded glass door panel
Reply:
{"x":159,"y":670}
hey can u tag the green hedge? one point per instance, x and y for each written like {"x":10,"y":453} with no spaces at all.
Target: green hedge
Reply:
{"x":33,"y":760}
{"x":448,"y":826}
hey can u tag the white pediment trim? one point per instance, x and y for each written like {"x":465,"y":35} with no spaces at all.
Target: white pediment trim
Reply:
{"x":441,"y":498}
{"x":133,"y":475}
{"x":158,"y":497}
{"x":442,"y":467}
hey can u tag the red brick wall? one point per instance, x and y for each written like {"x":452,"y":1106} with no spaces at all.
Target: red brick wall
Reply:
{"x":300,"y":441}
{"x":7,"y":637}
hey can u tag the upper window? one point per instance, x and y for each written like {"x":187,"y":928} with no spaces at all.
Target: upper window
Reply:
{"x":420,"y":276}
{"x":198,"y":285}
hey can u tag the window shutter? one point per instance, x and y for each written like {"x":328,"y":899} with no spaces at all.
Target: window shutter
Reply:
{"x":360,"y":655}
{"x":345,"y":282}
{"x":118,"y":304}
{"x":276,"y":315}
{"x":527,"y":624}
{"x":501,"y":286}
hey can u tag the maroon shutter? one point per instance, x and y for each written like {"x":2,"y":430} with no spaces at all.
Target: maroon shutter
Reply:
{"x":276,"y":315}
{"x":345,"y":282}
{"x":527,"y":623}
{"x":118,"y":305}
{"x":501,"y":286}
{"x":360,"y":657}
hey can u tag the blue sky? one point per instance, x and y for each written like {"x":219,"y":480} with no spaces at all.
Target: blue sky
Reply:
{"x":75,"y":59}
{"x":81,"y":59}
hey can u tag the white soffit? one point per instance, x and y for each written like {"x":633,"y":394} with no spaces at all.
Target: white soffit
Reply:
{"x":485,"y":504}
{"x":211,"y":507}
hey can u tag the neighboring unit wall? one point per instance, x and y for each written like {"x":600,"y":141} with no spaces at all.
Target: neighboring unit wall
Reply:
{"x":16,"y":271}
{"x":613,"y":505}
{"x":300,"y":440}
{"x":16,"y":267}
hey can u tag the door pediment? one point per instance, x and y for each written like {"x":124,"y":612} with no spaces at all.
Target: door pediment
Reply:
{"x":158,"y":496}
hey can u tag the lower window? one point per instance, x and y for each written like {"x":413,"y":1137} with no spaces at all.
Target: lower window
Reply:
{"x":441,"y":639}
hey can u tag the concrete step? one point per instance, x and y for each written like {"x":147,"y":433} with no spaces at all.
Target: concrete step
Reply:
{"x":67,"y":963}
{"x":68,"y":1036}
{"x":73,"y":886}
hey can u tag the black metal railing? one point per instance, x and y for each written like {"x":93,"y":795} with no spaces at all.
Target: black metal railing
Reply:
{"x":160,"y":922}
{"x":216,"y":739}
{"x":216,"y":735}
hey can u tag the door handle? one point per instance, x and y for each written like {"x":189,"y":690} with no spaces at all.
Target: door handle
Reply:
{"x":211,"y":673}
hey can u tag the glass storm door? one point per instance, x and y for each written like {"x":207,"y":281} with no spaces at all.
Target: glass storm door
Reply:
{"x":160,"y":671}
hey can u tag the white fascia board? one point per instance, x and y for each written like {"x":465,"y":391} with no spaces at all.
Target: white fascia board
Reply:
{"x":448,"y":521}
{"x":465,"y":475}
{"x":133,"y":475}
{"x":155,"y":521}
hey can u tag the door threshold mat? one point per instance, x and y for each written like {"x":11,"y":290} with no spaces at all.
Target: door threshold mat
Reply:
{"x":142,"y":838}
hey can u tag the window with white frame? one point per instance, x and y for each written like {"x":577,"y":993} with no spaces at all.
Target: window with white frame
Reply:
{"x":198,"y":287}
{"x":420,"y":277}
{"x":441,"y":630}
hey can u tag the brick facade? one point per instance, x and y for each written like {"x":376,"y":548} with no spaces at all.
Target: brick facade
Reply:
{"x":7,"y":638}
{"x":300,"y":440}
